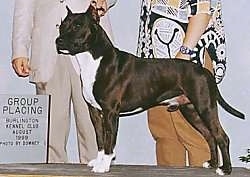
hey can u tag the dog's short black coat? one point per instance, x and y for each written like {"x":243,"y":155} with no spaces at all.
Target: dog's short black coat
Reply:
{"x":124,"y":83}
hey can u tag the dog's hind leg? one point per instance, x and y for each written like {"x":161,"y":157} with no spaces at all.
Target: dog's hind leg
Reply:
{"x":191,"y":115}
{"x":222,"y":141}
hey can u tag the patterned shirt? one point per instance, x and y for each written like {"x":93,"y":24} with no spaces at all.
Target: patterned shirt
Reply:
{"x":180,"y":9}
{"x":162,"y":28}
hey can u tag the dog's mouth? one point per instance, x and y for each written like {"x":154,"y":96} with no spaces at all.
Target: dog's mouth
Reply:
{"x":63,"y":51}
{"x":62,"y":48}
{"x":72,"y":49}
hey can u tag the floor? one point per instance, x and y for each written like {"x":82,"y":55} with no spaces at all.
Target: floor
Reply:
{"x":77,"y":170}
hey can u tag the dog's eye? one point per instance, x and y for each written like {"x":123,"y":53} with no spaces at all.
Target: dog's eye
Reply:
{"x":76,"y":27}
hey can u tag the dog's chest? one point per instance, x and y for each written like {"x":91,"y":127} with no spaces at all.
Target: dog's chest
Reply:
{"x":88,"y":70}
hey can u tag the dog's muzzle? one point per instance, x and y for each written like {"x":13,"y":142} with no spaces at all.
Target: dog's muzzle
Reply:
{"x":61,"y":48}
{"x":69,"y":47}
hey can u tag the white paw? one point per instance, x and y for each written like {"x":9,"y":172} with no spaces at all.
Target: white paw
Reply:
{"x":101,"y":167}
{"x":102,"y":163}
{"x":97,"y":160}
{"x":92,"y":162}
{"x":220,"y":172}
{"x":206,"y":165}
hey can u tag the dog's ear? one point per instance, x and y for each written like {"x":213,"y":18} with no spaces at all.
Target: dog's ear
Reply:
{"x":93,"y":13}
{"x":69,"y":11}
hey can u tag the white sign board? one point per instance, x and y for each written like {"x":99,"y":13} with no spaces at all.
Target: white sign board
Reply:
{"x":24,"y":128}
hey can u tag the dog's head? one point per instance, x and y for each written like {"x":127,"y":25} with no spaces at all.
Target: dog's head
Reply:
{"x":77,"y":31}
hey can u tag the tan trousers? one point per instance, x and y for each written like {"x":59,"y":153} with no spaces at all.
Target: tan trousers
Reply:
{"x":64,"y":88}
{"x":175,"y":136}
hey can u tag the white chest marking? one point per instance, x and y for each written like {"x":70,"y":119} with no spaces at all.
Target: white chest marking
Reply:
{"x":88,"y":70}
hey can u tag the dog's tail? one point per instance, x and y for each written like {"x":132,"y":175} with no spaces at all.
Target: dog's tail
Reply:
{"x":227,"y":107}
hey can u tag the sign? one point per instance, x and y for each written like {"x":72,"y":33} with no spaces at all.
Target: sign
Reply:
{"x":24,"y":128}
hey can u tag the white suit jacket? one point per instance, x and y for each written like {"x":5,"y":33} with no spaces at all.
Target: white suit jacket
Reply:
{"x":35,"y":29}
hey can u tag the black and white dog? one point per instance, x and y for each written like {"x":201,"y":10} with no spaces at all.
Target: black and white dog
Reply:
{"x":117,"y":83}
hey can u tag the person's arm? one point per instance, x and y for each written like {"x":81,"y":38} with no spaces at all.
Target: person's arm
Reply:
{"x":196,"y":27}
{"x":111,"y":3}
{"x":21,"y":36}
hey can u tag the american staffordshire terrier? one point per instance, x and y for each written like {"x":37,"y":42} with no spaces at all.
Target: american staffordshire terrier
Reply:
{"x":117,"y":83}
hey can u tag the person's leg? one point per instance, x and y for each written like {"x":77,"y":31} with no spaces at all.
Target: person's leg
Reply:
{"x":85,"y":131}
{"x":172,"y":132}
{"x":59,"y":89}
{"x":195,"y":144}
{"x":169,"y":150}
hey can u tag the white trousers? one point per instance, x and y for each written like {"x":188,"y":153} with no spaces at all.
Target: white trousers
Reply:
{"x":65,"y":88}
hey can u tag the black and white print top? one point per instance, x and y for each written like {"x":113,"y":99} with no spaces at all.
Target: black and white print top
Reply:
{"x":162,"y":28}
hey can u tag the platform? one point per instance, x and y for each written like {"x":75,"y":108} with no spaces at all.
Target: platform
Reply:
{"x":77,"y":170}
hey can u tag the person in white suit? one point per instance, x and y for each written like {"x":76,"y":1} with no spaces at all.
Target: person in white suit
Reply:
{"x":35,"y":29}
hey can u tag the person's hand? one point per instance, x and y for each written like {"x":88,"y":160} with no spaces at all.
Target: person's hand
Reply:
{"x":183,"y":56}
{"x":21,"y":66}
{"x":100,"y":5}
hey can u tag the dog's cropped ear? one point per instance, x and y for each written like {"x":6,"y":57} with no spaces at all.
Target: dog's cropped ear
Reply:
{"x":69,"y":11}
{"x":92,"y":11}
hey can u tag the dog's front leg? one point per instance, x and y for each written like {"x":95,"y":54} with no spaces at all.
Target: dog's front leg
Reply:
{"x":110,"y":128}
{"x":97,"y":121}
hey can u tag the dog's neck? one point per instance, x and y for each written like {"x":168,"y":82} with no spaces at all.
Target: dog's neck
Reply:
{"x":101,"y":45}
